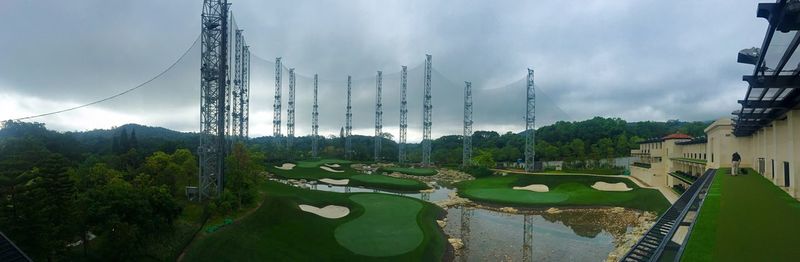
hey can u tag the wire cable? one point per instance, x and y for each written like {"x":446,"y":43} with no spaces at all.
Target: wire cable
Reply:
{"x":118,"y":94}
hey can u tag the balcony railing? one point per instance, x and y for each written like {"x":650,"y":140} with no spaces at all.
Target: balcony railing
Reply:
{"x":642,"y":164}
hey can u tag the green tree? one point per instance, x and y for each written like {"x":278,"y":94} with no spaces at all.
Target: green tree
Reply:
{"x":484,"y":159}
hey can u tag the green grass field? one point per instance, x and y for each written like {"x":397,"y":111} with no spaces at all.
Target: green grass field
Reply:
{"x":411,"y":171}
{"x":593,"y":171}
{"x":316,"y":163}
{"x":565,"y":190}
{"x":745,"y":218}
{"x":387,"y":225}
{"x":312,"y":171}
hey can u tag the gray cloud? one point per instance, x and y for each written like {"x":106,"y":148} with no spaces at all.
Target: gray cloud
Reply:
{"x":638,"y":60}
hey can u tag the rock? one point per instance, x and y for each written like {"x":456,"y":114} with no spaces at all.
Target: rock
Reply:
{"x":553,"y":210}
{"x":509,"y":210}
{"x":456,"y":243}
{"x":441,"y":223}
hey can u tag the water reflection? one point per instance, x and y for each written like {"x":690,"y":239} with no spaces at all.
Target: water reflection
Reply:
{"x":495,"y":236}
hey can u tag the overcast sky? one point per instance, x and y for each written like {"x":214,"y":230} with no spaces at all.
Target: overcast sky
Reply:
{"x":637,"y":60}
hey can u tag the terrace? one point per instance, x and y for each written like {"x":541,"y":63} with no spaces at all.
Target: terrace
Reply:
{"x":745,"y":218}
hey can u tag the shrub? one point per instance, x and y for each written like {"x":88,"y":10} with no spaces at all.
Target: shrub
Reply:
{"x":478,"y":171}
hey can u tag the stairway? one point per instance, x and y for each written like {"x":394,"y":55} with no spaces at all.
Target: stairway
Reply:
{"x":652,"y":245}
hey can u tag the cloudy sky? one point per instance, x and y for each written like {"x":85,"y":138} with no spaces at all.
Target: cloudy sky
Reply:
{"x":637,"y":60}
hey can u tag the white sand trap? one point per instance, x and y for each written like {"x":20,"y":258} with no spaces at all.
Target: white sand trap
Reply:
{"x":603,"y":186}
{"x":331,"y":169}
{"x":534,"y":188}
{"x":286,"y":166}
{"x":333,"y":165}
{"x":338,"y":182}
{"x":329,"y":211}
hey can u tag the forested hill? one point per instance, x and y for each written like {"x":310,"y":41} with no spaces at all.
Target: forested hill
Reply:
{"x":589,"y":139}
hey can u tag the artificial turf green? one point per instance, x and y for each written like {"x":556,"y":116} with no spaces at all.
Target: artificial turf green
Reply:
{"x":411,"y":171}
{"x":565,"y":190}
{"x":356,"y":178}
{"x":280,"y":231}
{"x":388,"y":227}
{"x":745,"y":218}
{"x":593,"y":171}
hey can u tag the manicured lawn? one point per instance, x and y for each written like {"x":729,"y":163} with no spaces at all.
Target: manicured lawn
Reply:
{"x":280,"y":231}
{"x":316,"y":163}
{"x":390,"y":222}
{"x":565,"y":190}
{"x":593,"y":171}
{"x":411,"y":171}
{"x":356,"y":178}
{"x":745,"y":218}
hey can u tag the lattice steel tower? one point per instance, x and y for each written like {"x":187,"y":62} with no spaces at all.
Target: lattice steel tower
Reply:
{"x":348,"y":125}
{"x":378,"y":115}
{"x":213,"y":81}
{"x":427,"y":107}
{"x":401,"y":145}
{"x":530,"y":123}
{"x":276,"y":109}
{"x":290,"y":111}
{"x":467,"y":155}
{"x":315,"y":121}
{"x":245,"y":98}
{"x":237,"y":104}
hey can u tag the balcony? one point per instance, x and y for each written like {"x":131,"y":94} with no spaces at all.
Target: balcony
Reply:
{"x":642,"y":164}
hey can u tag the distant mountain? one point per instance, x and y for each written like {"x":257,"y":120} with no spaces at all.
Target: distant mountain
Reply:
{"x":142,"y":131}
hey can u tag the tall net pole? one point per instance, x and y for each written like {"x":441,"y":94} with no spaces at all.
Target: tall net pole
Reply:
{"x":530,"y":123}
{"x":427,"y":109}
{"x":401,"y":145}
{"x":315,"y":121}
{"x":348,"y":125}
{"x":245,"y":98}
{"x":290,"y":111}
{"x":467,"y":154}
{"x":276,"y":108}
{"x":237,"y":90}
{"x":213,"y":86}
{"x":378,"y":115}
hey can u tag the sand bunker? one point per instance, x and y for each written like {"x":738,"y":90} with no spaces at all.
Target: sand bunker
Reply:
{"x":329,"y":211}
{"x":338,"y":182}
{"x":331,"y":169}
{"x":286,"y":166}
{"x":534,"y":188}
{"x":333,"y":165}
{"x":603,"y":186}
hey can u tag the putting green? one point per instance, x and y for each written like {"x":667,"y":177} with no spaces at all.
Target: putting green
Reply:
{"x":388,"y":226}
{"x":316,"y":163}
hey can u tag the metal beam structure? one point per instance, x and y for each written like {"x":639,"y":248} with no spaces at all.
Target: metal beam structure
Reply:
{"x":348,"y":122}
{"x":244,"y":127}
{"x":467,"y":137}
{"x":530,"y":123}
{"x":237,"y":90}
{"x":290,"y":111}
{"x":427,"y":109}
{"x":527,"y":238}
{"x":213,"y":86}
{"x":401,"y":144}
{"x":378,"y":115}
{"x":315,"y":121}
{"x":276,"y":108}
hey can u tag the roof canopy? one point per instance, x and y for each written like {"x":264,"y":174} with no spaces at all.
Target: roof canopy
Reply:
{"x":773,"y":86}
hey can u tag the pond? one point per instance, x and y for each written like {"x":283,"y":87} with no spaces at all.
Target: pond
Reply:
{"x":535,"y":235}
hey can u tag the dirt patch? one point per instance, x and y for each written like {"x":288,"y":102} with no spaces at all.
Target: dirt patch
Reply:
{"x":603,"y":186}
{"x":329,"y":211}
{"x":534,"y":188}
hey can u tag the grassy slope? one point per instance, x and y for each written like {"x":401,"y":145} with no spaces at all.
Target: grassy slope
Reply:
{"x":391,"y":221}
{"x":280,"y":231}
{"x":304,"y":171}
{"x":745,"y":218}
{"x":411,"y":171}
{"x":565,"y":190}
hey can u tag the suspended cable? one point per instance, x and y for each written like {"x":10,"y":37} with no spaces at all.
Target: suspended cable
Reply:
{"x":118,"y":94}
